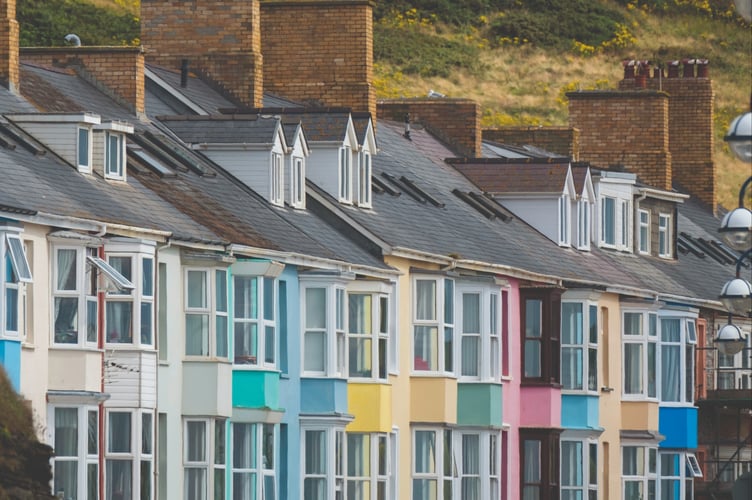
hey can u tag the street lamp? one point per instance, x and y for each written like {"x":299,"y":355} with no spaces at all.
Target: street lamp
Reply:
{"x":730,"y":339}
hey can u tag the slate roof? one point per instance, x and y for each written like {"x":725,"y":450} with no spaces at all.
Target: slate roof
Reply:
{"x":223,"y":129}
{"x":505,"y":178}
{"x":197,"y":91}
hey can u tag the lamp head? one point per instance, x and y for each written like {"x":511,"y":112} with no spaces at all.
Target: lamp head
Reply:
{"x":737,"y":296}
{"x":730,"y":340}
{"x":736,"y":228}
{"x":739,"y":137}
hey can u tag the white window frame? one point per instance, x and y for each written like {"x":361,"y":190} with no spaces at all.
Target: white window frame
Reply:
{"x":370,"y":479}
{"x":646,"y":477}
{"x":686,"y":346}
{"x":588,"y":451}
{"x":443,"y":321}
{"x":266,"y":288}
{"x":565,"y":221}
{"x":588,"y":345}
{"x":119,"y":151}
{"x":84,"y":166}
{"x":664,"y":236}
{"x":648,"y":339}
{"x":83,"y":457}
{"x":136,"y":453}
{"x":211,"y":463}
{"x":335,"y":442}
{"x":15,"y":274}
{"x":345,"y":174}
{"x":584,"y":218}
{"x":364,"y":179}
{"x":276,"y":180}
{"x":643,"y":231}
{"x":258,"y":467}
{"x":141,"y":296}
{"x":489,"y":336}
{"x":210,"y":309}
{"x":297,"y":182}
{"x":85,"y":292}
{"x":622,"y":216}
{"x":688,"y":469}
{"x":334,"y":329}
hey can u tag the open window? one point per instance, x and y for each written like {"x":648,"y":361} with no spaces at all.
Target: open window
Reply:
{"x":112,"y":275}
{"x":18,"y":261}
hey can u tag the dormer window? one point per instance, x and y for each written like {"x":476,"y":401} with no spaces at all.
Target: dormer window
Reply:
{"x":583,"y":224}
{"x":614,"y":223}
{"x":345,"y":174}
{"x":644,"y":231}
{"x":364,"y":180}
{"x":276,"y":183}
{"x":84,"y":150}
{"x":297,"y":183}
{"x":664,"y":235}
{"x":564,"y":221}
{"x":114,"y":156}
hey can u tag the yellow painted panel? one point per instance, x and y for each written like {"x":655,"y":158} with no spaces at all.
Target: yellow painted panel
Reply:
{"x":371,"y":405}
{"x":433,"y":399}
{"x":639,"y":415}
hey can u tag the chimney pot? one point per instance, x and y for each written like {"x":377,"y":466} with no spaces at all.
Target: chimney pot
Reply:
{"x":673,"y":69}
{"x":689,"y":68}
{"x":702,"y":68}
{"x":629,"y":70}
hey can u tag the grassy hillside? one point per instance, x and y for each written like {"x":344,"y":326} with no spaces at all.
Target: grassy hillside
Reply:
{"x":517,"y":58}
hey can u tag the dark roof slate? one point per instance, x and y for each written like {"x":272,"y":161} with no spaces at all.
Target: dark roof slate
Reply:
{"x":505,"y":178}
{"x":223,"y":129}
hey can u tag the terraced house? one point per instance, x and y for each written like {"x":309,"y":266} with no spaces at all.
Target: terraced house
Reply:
{"x":229,"y":272}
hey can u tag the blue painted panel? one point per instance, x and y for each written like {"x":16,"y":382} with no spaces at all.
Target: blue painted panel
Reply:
{"x":580,"y":411}
{"x":323,"y":395}
{"x":479,"y":404}
{"x":10,"y":360}
{"x":255,"y":389}
{"x":679,"y":426}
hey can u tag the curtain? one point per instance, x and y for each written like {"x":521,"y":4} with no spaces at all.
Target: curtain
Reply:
{"x":571,"y":367}
{"x":315,"y":452}
{"x":571,"y":463}
{"x":470,"y":345}
{"x":358,"y":455}
{"x":315,"y":352}
{"x":66,"y":269}
{"x":195,"y":442}
{"x":66,"y":432}
{"x":197,"y":334}
{"x":531,"y":461}
{"x":470,"y":355}
{"x":426,"y":348}
{"x":632,"y":368}
{"x":66,"y":479}
{"x":670,"y":372}
{"x":243,"y":446}
{"x":118,"y":319}
{"x":195,"y":484}
{"x":119,"y":478}
{"x":671,"y":330}
{"x":119,"y":432}
{"x":471,"y":466}
{"x":425,"y":452}
{"x":425,"y":300}
{"x":243,"y":486}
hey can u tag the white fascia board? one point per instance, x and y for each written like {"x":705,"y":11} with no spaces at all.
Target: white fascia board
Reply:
{"x":83,"y":118}
{"x":174,"y":93}
{"x":663,"y":195}
{"x":370,"y":140}
{"x":115,"y":126}
{"x":351,"y":136}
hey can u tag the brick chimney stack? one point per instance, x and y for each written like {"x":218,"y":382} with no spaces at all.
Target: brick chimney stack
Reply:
{"x":9,"y":45}
{"x":690,"y":118}
{"x":220,"y":39}
{"x":320,"y":52}
{"x":625,"y":128}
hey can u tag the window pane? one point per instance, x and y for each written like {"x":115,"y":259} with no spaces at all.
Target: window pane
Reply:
{"x":147,"y":277}
{"x":197,"y":334}
{"x":145,"y":480}
{"x":246,"y":343}
{"x":246,"y":297}
{"x":83,"y":147}
{"x":593,"y":317}
{"x":532,"y":358}
{"x":119,"y":479}
{"x":195,"y":441}
{"x":220,"y":445}
{"x":269,"y":299}
{"x":425,"y":489}
{"x":66,"y":320}
{"x":670,"y":373}
{"x":221,"y":333}
{"x":471,"y":356}
{"x":315,"y":352}
{"x":146,"y":322}
{"x":195,"y":484}
{"x":119,"y":316}
{"x":119,"y":435}
{"x":123,"y":265}
{"x":11,"y":305}
{"x":571,"y":463}
{"x":470,"y":313}
{"x":592,"y":369}
{"x":425,"y":299}
{"x":221,"y":290}
{"x":92,"y":447}
{"x":270,"y":346}
{"x":632,"y":323}
{"x":358,"y":455}
{"x":66,"y":479}
{"x":609,"y":221}
{"x":92,"y":481}
{"x":66,"y":269}
{"x":633,"y":368}
{"x":571,"y":368}
{"x":244,"y":446}
{"x":197,"y":289}
{"x":360,"y":357}
{"x":315,"y":452}
{"x":426,"y":348}
{"x":531,"y":467}
{"x":425,"y":451}
{"x":449,"y":301}
{"x":66,"y":432}
{"x":92,"y":321}
{"x":146,"y":433}
{"x":268,"y":446}
{"x":652,"y":357}
{"x":315,"y":308}
{"x":571,"y":323}
{"x":533,"y":310}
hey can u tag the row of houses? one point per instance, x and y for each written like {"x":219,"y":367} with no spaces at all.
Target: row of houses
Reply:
{"x":229,"y":272}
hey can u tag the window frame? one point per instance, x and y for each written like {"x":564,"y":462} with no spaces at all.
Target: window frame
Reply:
{"x":643,"y":231}
{"x":209,"y":465}
{"x":257,"y":468}
{"x":261,"y":321}
{"x":345,"y":174}
{"x":617,"y":224}
{"x":335,"y":442}
{"x":364,"y":179}
{"x":588,"y":344}
{"x":83,"y":446}
{"x":565,"y":221}
{"x":665,"y":249}
{"x":276,"y":179}
{"x":686,"y":346}
{"x":84,"y":167}
{"x":584,"y":222}
{"x":489,"y":337}
{"x":140,"y":294}
{"x":648,"y":339}
{"x":443,"y":322}
{"x":119,"y":159}
{"x":549,"y":338}
{"x":549,"y":452}
{"x":85,"y":291}
{"x":381,"y":329}
{"x":649,"y":474}
{"x":136,"y":454}
{"x":297,"y":182}
{"x":589,"y":457}
{"x":214,"y":315}
{"x":15,"y":277}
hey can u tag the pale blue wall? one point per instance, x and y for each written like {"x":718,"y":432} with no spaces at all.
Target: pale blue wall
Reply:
{"x":580,"y":411}
{"x":10,"y":360}
{"x":323,"y":395}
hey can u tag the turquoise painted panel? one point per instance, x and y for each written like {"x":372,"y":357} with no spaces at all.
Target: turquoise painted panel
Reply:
{"x":10,"y":360}
{"x":679,"y":426}
{"x":255,"y":389}
{"x":479,"y":404}
{"x":580,"y":411}
{"x":323,"y":395}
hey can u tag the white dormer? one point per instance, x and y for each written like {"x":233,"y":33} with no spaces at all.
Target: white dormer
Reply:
{"x":363,"y":174}
{"x":614,"y":214}
{"x":109,"y":148}
{"x":566,"y":198}
{"x":332,"y":161}
{"x":69,"y":135}
{"x":583,"y":206}
{"x":296,"y":160}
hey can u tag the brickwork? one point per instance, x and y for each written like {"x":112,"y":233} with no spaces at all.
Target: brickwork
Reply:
{"x":319,"y":52}
{"x":117,"y":71}
{"x":690,"y":125}
{"x":627,"y":128}
{"x":563,"y":141}
{"x":221,"y":39}
{"x":454,"y":121}
{"x":8,"y":45}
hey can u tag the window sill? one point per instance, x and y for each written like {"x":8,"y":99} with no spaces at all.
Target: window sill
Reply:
{"x":27,"y":346}
{"x":323,"y":376}
{"x":206,"y":359}
{"x":255,"y":368}
{"x":536,"y":383}
{"x":427,"y":374}
{"x":506,"y":378}
{"x":368,"y":381}
{"x":74,"y":347}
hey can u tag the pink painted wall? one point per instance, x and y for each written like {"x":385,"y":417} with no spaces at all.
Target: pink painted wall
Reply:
{"x":540,"y":407}
{"x":511,"y":393}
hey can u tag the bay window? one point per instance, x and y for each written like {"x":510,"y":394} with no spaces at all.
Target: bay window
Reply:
{"x":480,"y":323}
{"x":579,"y":469}
{"x":539,"y":463}
{"x":253,"y":461}
{"x":433,"y":325}
{"x":579,"y":346}
{"x":368,"y":326}
{"x":676,"y":474}
{"x":129,"y":313}
{"x":678,"y":338}
{"x":323,"y":456}
{"x":206,"y":321}
{"x":75,"y":464}
{"x":255,"y":320}
{"x":639,"y":471}
{"x":204,"y":458}
{"x":15,"y":273}
{"x":541,"y":316}
{"x":324,"y":322}
{"x":129,"y":455}
{"x":640,"y":341}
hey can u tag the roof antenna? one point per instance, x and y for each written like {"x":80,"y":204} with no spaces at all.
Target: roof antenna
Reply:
{"x":407,"y":127}
{"x":73,"y":39}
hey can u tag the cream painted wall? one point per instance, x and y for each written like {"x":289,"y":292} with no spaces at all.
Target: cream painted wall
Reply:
{"x":609,"y":376}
